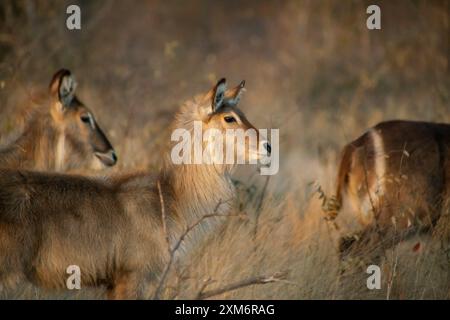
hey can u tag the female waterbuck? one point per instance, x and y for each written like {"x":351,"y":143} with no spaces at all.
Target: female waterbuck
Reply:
{"x":116,"y":229}
{"x":396,"y":180}
{"x":60,"y":134}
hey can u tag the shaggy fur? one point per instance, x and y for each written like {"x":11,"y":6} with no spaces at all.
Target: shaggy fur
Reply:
{"x":112,"y":227}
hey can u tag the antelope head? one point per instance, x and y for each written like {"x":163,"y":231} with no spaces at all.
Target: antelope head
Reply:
{"x":80,"y":137}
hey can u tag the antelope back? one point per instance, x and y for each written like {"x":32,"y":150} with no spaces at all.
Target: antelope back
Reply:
{"x":397,"y":174}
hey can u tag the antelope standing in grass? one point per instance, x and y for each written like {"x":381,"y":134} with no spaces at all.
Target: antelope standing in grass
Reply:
{"x":395,"y":179}
{"x":113,"y":228}
{"x":60,"y":134}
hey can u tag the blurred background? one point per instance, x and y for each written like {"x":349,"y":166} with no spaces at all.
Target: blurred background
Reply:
{"x":313,"y":70}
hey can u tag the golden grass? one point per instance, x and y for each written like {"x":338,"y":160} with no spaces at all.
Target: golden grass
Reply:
{"x":313,"y":70}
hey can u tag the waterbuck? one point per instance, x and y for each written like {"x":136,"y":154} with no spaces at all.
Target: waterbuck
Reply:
{"x":395,"y":180}
{"x":114,"y":228}
{"x":60,"y":134}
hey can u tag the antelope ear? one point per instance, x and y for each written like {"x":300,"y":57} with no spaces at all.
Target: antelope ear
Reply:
{"x":62,"y":87}
{"x":233,"y":96}
{"x":219,"y":94}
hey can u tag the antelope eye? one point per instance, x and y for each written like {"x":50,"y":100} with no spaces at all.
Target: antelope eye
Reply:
{"x":229,"y":119}
{"x":85,"y":118}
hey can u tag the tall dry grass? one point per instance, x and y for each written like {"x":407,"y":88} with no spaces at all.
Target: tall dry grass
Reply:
{"x":312,"y":69}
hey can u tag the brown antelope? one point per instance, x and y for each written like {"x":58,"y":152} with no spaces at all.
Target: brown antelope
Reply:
{"x":113,"y":228}
{"x":395,"y":179}
{"x":60,"y":134}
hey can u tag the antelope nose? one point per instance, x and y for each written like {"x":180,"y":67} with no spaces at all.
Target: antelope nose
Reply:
{"x":114,"y":157}
{"x":268,"y":148}
{"x":108,"y":158}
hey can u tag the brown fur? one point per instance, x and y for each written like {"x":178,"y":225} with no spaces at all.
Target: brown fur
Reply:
{"x":345,"y":166}
{"x":112,"y":227}
{"x":411,"y":186}
{"x":54,"y":137}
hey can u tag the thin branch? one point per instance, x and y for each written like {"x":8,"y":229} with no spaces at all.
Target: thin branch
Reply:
{"x":329,"y":205}
{"x":276,"y":277}
{"x":392,"y":274}
{"x":205,"y":284}
{"x":181,"y":277}
{"x":172,"y":251}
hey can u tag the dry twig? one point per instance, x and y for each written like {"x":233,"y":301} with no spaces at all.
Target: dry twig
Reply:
{"x":173,"y":251}
{"x":275,"y":277}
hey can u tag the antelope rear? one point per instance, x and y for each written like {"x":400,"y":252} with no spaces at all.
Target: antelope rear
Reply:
{"x":395,"y":179}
